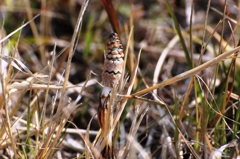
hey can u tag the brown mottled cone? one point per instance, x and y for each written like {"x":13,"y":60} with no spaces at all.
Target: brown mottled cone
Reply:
{"x":113,"y":63}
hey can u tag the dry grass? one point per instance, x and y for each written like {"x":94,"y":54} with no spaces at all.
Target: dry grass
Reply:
{"x":178,"y":98}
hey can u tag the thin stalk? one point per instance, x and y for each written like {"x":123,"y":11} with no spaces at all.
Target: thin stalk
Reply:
{"x":37,"y":38}
{"x":196,"y":144}
{"x":72,"y":48}
{"x":190,"y":33}
{"x":178,"y":30}
{"x":177,"y":124}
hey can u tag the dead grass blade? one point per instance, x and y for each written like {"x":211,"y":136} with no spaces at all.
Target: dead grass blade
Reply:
{"x":72,"y":48}
{"x":7,"y":124}
{"x":191,"y":72}
{"x":161,"y":60}
{"x":18,"y":29}
{"x":139,"y":113}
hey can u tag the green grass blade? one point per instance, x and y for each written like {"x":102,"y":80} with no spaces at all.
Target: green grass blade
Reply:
{"x":178,"y":30}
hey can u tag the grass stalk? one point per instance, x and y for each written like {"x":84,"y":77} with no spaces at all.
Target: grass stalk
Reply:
{"x":178,"y":30}
{"x":72,"y":48}
{"x":191,"y":72}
